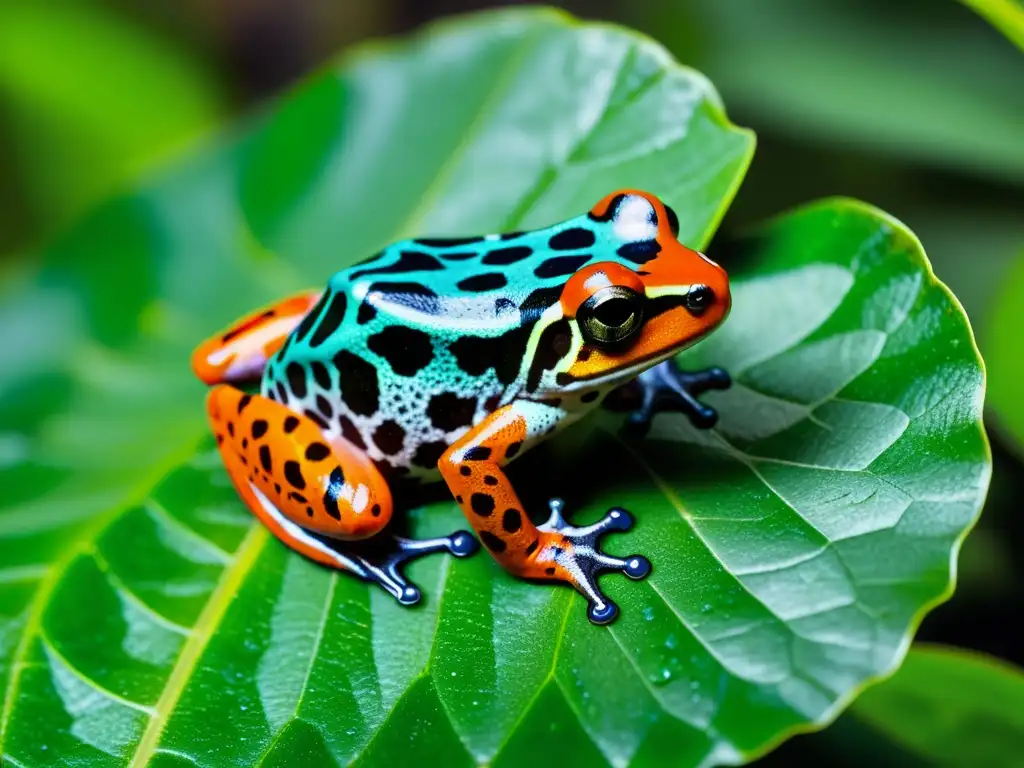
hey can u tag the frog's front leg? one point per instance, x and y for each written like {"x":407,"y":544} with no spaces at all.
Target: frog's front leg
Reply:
{"x":664,"y":387}
{"x":555,"y":550}
{"x":322,"y":497}
{"x":240,"y":351}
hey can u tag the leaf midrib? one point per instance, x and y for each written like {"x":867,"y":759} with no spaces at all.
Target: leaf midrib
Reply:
{"x":442,"y":177}
{"x":212,"y":614}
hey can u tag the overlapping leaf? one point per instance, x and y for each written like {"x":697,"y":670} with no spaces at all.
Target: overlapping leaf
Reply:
{"x":951,"y":707}
{"x":1002,"y":350}
{"x":1005,"y":15}
{"x":863,"y":76}
{"x":144,"y":617}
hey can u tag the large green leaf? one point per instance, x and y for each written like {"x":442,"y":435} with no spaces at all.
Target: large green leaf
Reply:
{"x":145,"y":614}
{"x":952,"y":707}
{"x":877,"y":76}
{"x":1006,"y":15}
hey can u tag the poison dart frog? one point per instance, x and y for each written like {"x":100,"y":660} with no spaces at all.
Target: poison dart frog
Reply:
{"x":447,"y":359}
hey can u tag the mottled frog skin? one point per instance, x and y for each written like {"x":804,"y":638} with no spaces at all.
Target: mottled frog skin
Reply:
{"x":445,"y":359}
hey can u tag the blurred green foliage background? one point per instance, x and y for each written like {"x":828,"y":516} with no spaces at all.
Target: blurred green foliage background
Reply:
{"x":916,"y":106}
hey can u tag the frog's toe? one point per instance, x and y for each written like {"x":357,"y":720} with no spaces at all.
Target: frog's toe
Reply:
{"x":666,"y":388}
{"x":617,"y":519}
{"x":382,"y":561}
{"x":602,"y":614}
{"x":462,"y":544}
{"x":637,"y":567}
{"x":573,"y":554}
{"x":410,"y":595}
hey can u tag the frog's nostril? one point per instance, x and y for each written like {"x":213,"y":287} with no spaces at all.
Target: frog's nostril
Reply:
{"x":699,"y":298}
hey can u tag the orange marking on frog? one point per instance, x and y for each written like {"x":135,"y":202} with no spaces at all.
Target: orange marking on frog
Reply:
{"x":241,"y":350}
{"x":325,"y":486}
{"x":472,"y":469}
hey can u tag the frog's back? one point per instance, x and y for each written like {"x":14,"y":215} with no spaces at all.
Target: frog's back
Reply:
{"x":410,"y":348}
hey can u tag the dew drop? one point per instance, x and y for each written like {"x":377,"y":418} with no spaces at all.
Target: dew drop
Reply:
{"x":662,"y":674}
{"x":649,"y":613}
{"x":706,"y":608}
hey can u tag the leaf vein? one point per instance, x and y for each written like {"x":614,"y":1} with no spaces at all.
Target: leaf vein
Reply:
{"x":160,"y":514}
{"x":560,"y":637}
{"x":324,"y":613}
{"x":21,"y":573}
{"x":41,"y":598}
{"x":51,"y":650}
{"x":677,"y":505}
{"x":124,"y":591}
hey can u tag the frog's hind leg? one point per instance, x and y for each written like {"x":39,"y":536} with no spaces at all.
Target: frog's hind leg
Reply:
{"x":240,"y":351}
{"x":320,"y":496}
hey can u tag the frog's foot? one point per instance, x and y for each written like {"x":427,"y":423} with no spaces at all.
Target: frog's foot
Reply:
{"x":571,"y":554}
{"x":379,"y":560}
{"x":665,"y":387}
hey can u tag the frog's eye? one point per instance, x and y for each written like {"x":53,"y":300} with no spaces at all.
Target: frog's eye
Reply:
{"x":612,"y":315}
{"x":699,"y":298}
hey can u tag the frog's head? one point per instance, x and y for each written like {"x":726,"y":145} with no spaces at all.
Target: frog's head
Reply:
{"x":646,"y":297}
